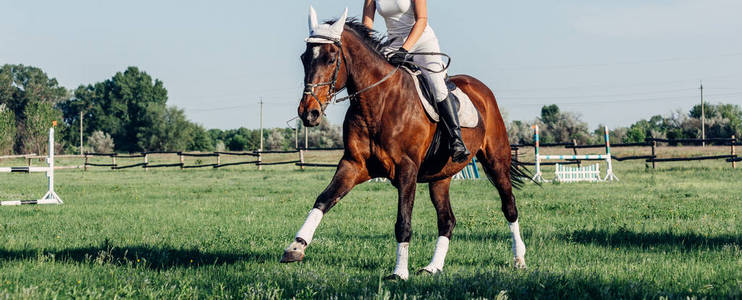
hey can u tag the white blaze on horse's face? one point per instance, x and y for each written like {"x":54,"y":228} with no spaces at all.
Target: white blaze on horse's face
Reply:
{"x":315,"y":51}
{"x":325,"y":33}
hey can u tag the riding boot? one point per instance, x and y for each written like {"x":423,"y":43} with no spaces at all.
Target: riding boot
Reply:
{"x":448,"y":111}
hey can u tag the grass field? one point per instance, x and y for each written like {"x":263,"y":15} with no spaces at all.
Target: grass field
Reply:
{"x":675,"y":232}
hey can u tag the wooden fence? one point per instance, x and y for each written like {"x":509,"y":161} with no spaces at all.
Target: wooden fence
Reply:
{"x":651,"y":157}
{"x":257,"y":155}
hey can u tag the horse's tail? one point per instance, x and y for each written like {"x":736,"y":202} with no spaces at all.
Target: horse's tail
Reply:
{"x":519,"y":174}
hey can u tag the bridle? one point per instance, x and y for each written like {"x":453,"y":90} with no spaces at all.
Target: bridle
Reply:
{"x":332,"y":93}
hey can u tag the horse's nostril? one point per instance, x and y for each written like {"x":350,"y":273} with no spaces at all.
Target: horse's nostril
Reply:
{"x":314,"y":114}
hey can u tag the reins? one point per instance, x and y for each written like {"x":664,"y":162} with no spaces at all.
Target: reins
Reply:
{"x":332,"y":93}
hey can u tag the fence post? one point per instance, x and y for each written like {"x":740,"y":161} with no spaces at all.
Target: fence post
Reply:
{"x":113,"y":159}
{"x":734,"y":162}
{"x":301,"y":158}
{"x":574,"y":150}
{"x":654,"y":146}
{"x":182,"y":161}
{"x":218,"y":159}
{"x":28,"y":160}
{"x":146,"y":162}
{"x":85,"y":167}
{"x":516,"y":153}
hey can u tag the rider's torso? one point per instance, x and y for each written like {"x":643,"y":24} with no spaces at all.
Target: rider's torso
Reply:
{"x":399,"y":16}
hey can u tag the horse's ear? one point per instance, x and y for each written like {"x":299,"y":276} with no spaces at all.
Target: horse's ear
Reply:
{"x":339,"y":25}
{"x":313,"y":24}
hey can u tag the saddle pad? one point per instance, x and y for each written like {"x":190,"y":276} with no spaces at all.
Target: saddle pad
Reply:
{"x":468,"y":115}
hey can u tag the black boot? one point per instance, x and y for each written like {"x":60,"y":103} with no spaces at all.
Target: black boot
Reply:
{"x":448,"y":111}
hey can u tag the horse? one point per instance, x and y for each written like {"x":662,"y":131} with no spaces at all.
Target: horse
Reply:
{"x":386,"y":134}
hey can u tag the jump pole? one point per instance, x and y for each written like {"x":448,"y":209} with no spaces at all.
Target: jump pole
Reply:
{"x":538,"y":177}
{"x":51,"y":196}
{"x":609,"y":173}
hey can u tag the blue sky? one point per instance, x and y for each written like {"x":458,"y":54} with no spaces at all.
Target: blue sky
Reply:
{"x":613,"y":62}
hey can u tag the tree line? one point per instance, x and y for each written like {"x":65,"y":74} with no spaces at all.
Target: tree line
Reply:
{"x":555,"y":126}
{"x":125,"y":113}
{"x":129,"y":113}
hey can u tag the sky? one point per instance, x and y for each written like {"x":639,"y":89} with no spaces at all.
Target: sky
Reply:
{"x":612,"y":62}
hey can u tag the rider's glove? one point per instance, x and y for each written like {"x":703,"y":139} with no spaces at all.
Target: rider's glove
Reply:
{"x":399,"y":57}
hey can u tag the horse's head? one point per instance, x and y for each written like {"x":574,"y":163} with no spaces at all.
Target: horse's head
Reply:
{"x":323,"y":62}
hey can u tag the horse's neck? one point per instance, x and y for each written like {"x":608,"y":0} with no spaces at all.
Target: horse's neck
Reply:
{"x":365,"y":69}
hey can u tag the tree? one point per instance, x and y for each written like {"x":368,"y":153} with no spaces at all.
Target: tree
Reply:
{"x":550,"y":114}
{"x":21,"y":85}
{"x":122,"y":106}
{"x":7,"y":130}
{"x":39,"y":117}
{"x":200,"y":139}
{"x":101,"y":142}
{"x":24,"y":91}
{"x":171,"y":131}
{"x":275,"y":140}
{"x":325,"y":135}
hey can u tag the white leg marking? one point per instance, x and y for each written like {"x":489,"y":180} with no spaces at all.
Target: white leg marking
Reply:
{"x":439,"y":257}
{"x":310,"y":225}
{"x":402,"y":261}
{"x":519,"y":248}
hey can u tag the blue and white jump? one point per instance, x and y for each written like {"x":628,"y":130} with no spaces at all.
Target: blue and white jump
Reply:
{"x":574,"y":174}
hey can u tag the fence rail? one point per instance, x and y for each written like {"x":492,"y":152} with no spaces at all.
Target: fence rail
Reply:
{"x":258,"y":155}
{"x":652,"y":157}
{"x":649,"y":142}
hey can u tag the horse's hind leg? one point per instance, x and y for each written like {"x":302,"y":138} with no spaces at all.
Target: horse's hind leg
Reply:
{"x":439,"y":194}
{"x":498,"y":172}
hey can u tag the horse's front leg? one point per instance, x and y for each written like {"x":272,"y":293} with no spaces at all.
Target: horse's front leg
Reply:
{"x":406,"y":182}
{"x":348,"y":175}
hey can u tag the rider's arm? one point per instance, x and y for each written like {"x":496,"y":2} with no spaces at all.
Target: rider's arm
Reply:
{"x":369,"y":9}
{"x":421,"y":21}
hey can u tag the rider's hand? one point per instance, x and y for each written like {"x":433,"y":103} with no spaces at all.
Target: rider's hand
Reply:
{"x":399,"y":57}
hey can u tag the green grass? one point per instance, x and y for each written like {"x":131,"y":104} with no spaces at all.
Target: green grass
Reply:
{"x":219,"y":233}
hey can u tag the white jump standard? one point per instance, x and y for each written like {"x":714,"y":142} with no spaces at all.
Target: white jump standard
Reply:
{"x":574,"y":174}
{"x":50,"y":197}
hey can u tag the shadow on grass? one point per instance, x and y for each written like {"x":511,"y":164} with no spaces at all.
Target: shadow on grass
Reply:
{"x":155,"y":258}
{"x":625,"y":238}
{"x":486,"y":283}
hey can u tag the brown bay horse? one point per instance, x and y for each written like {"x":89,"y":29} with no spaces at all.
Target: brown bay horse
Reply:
{"x":387,"y":133}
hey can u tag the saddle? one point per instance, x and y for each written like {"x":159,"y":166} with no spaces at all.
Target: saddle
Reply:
{"x":438,"y":152}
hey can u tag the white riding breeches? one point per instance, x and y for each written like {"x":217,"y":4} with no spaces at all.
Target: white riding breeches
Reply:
{"x":427,"y":43}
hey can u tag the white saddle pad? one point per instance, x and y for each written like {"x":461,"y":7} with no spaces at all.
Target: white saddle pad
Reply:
{"x":468,"y":115}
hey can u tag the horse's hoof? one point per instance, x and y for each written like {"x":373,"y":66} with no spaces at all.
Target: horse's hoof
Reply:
{"x":294,"y":253}
{"x":519,"y":263}
{"x":428,"y":271}
{"x":292,"y":256}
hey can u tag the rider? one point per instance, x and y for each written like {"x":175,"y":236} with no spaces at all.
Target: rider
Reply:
{"x":407,"y":26}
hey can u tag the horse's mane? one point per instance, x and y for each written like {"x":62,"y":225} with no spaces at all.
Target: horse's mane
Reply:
{"x":374,"y":40}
